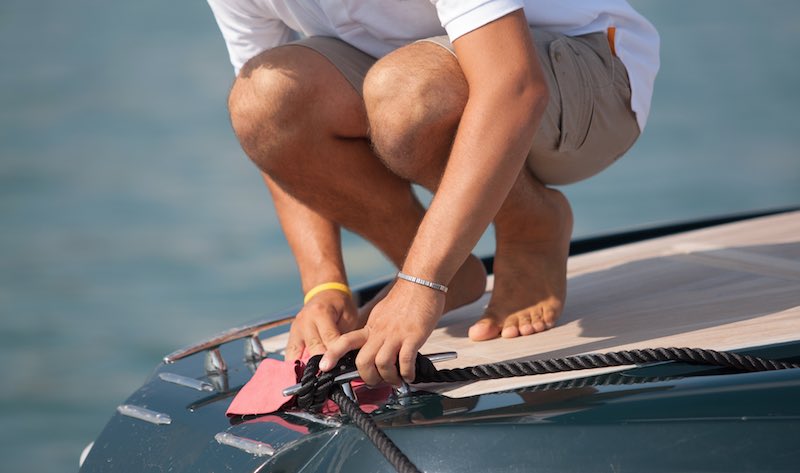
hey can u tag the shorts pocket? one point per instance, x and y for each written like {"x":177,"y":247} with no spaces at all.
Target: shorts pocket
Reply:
{"x":575,"y":93}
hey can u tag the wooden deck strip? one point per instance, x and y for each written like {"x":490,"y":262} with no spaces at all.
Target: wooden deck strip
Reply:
{"x":722,"y":288}
{"x":726,"y":258}
{"x":728,"y":287}
{"x":776,"y":235}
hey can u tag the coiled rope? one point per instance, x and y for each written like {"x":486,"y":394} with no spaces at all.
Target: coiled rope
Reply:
{"x":318,"y":387}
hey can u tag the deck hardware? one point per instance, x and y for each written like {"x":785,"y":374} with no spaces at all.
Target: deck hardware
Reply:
{"x":253,"y":447}
{"x":227,"y":336}
{"x":147,"y":415}
{"x":219,"y":381}
{"x":402,"y":394}
{"x":316,"y":418}
{"x":214,"y":362}
{"x":352,"y":375}
{"x":348,"y":391}
{"x":253,"y":349}
{"x":186,"y":381}
{"x":252,"y":366}
{"x":404,"y":390}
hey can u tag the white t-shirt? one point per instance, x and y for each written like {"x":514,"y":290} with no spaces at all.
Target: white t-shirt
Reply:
{"x":378,"y":27}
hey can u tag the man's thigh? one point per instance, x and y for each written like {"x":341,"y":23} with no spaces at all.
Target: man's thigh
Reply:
{"x":281,"y":85}
{"x":588,"y":123}
{"x":351,"y":62}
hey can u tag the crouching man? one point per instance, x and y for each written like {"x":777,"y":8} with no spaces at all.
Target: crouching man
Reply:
{"x":486,"y":103}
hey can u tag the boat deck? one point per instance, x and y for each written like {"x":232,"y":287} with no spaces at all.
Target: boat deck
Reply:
{"x":729,"y":287}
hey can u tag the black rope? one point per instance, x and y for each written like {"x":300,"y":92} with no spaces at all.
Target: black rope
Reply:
{"x":384,"y":444}
{"x":316,"y":388}
{"x":427,"y":373}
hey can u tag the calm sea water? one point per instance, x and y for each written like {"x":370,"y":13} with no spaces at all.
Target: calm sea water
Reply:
{"x":131,"y":224}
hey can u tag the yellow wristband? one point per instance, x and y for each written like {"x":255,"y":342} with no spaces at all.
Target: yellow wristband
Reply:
{"x":326,"y":286}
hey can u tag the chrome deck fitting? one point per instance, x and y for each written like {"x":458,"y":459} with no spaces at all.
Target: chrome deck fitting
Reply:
{"x":253,"y":349}
{"x":142,"y":413}
{"x":235,"y":333}
{"x":214,"y":362}
{"x":186,"y":381}
{"x":253,"y":447}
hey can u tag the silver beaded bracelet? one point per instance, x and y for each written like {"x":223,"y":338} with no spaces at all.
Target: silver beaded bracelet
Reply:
{"x":422,"y":282}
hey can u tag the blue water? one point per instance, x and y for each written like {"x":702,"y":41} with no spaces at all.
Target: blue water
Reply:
{"x":131,"y":224}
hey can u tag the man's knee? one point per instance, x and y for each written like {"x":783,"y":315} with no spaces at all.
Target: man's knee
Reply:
{"x":414,"y":98}
{"x":267,"y":104}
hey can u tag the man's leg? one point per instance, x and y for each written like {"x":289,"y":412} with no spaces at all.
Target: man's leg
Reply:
{"x":305,"y":126}
{"x":588,"y":125}
{"x":414,"y":98}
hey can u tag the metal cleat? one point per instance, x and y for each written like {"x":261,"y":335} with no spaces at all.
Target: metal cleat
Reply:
{"x":214,"y":363}
{"x":253,"y":349}
{"x":348,"y":391}
{"x":346,"y":378}
{"x":403,"y":394}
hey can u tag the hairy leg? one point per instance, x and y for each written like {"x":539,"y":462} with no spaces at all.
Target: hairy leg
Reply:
{"x":305,"y":127}
{"x":533,"y":230}
{"x":414,"y":118}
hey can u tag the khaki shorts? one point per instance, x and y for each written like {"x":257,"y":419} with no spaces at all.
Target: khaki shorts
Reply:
{"x":588,"y":123}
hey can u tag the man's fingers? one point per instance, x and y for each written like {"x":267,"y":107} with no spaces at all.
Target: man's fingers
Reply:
{"x":351,"y":318}
{"x":314,"y":342}
{"x":293,"y":352}
{"x":326,"y":327}
{"x":322,"y":336}
{"x":294,"y":346}
{"x":339,"y":347}
{"x":314,"y":328}
{"x":407,"y":360}
{"x":386,"y":363}
{"x":365,"y":362}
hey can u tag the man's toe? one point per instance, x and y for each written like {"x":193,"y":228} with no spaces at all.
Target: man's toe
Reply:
{"x":484,"y":329}
{"x":511,"y":327}
{"x":526,"y":327}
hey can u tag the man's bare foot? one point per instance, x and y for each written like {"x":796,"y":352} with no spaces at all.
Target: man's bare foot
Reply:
{"x":530,"y":265}
{"x":467,"y":286}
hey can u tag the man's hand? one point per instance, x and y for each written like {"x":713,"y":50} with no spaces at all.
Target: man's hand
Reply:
{"x":321,"y":321}
{"x":397,"y":328}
